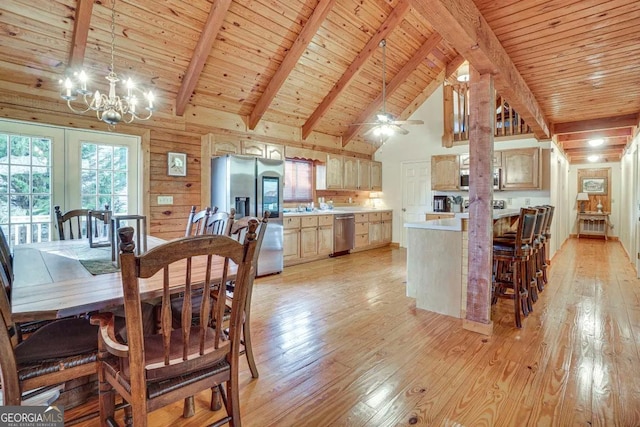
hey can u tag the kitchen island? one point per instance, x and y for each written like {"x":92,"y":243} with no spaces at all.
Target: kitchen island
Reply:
{"x":437,"y":260}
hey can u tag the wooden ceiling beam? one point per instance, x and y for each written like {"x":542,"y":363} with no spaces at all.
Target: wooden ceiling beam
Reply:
{"x":208,"y":36}
{"x":81,"y":25}
{"x":395,"y":17}
{"x":619,"y":141}
{"x":289,"y":62}
{"x":462,"y":25}
{"x":394,"y":84}
{"x":628,"y":120}
{"x":585,"y":136}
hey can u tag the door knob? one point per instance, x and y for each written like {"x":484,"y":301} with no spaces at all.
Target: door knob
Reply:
{"x":404,"y":210}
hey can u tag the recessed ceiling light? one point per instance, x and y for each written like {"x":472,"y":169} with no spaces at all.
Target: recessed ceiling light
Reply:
{"x":596,"y":142}
{"x":593,"y":158}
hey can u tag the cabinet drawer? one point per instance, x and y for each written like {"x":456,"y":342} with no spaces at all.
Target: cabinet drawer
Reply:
{"x":309,"y":221}
{"x":362,"y":217}
{"x":325,"y":220}
{"x":361,"y":240}
{"x":292,"y":222}
{"x":374,"y":217}
{"x":386,"y":216}
{"x":362,"y":228}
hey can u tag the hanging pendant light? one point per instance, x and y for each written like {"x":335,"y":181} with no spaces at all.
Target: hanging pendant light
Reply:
{"x":110,"y":108}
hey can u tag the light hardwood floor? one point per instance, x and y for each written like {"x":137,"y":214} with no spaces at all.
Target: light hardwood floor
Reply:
{"x":338,"y":343}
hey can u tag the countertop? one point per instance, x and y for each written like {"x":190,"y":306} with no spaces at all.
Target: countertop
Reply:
{"x":455,"y":224}
{"x":334,"y":211}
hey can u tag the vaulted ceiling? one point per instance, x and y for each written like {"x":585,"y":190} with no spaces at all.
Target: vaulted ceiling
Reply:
{"x":570,"y":68}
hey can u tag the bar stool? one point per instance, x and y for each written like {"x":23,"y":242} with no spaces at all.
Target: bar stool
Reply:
{"x":547,"y":235}
{"x":140,"y":233}
{"x":538,"y":260}
{"x":512,"y":274}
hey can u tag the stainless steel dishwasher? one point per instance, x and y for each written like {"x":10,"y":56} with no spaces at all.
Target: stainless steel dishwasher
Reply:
{"x":344,"y":232}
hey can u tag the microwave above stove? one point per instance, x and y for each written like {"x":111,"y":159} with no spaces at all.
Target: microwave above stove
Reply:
{"x":497,"y":179}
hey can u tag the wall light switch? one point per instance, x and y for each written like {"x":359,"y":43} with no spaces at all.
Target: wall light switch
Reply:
{"x":165,"y":200}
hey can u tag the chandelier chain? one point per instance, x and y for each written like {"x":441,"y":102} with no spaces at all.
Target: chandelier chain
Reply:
{"x":113,"y":32}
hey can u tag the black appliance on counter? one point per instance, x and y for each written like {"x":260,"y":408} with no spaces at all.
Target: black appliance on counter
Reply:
{"x":440,"y":203}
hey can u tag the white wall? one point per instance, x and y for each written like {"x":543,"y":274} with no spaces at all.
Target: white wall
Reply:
{"x":424,"y":141}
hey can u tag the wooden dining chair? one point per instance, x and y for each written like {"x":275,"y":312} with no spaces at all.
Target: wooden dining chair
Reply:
{"x":238,"y":230}
{"x":152,"y":371}
{"x":220,"y":222}
{"x":197,"y":221}
{"x":6,"y":261}
{"x":72,"y":224}
{"x":58,"y":352}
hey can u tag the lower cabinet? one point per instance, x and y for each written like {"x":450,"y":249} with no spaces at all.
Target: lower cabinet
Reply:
{"x":310,"y":237}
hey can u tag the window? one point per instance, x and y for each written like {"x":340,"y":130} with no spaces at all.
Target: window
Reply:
{"x":44,"y":166}
{"x":298,"y":181}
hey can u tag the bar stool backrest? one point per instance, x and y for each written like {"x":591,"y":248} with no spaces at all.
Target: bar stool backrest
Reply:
{"x":526,"y":228}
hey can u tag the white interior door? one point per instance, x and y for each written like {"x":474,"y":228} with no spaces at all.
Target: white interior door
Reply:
{"x":416,"y":193}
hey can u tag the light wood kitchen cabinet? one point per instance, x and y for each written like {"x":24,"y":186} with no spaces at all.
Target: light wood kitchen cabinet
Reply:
{"x":220,"y":148}
{"x":439,"y":215}
{"x":263,"y":149}
{"x":375,"y":228}
{"x":521,"y":169}
{"x":387,"y":227}
{"x":325,"y":234}
{"x":376,"y":176}
{"x":334,"y":172}
{"x":362,"y":230}
{"x":350,"y":173}
{"x":465,"y":161}
{"x":291,"y":238}
{"x":364,"y":175}
{"x":445,"y":172}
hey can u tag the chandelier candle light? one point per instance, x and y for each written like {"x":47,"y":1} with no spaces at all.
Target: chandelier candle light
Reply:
{"x":111,"y":109}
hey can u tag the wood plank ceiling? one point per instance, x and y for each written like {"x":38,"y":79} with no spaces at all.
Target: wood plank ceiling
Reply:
{"x":570,"y":68}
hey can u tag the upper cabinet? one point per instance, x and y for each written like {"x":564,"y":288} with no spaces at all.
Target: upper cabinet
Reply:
{"x":376,"y":176}
{"x":349,"y":173}
{"x":445,"y":172}
{"x":521,"y":169}
{"x":263,"y":149}
{"x":220,"y":148}
{"x":465,"y":162}
{"x":334,"y":172}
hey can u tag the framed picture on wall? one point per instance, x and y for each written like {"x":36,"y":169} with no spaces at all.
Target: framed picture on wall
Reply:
{"x":177,"y":164}
{"x":594,"y":185}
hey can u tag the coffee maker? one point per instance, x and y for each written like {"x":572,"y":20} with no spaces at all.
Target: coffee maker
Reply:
{"x":440,"y":204}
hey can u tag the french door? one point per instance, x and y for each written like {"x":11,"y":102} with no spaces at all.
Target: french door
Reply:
{"x":44,"y":166}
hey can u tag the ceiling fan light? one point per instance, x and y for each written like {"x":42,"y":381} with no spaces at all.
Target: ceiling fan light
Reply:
{"x":593,"y":158}
{"x":383,"y":118}
{"x":596,"y":142}
{"x":462,"y":75}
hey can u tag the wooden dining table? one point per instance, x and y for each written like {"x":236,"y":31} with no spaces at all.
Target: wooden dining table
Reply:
{"x":51,"y":282}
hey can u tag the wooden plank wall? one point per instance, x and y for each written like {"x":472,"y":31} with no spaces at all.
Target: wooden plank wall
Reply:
{"x":605,"y":199}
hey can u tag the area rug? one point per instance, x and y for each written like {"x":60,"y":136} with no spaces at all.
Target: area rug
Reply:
{"x":99,"y":266}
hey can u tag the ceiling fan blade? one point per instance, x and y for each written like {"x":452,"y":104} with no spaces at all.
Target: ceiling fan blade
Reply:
{"x":408,"y":122}
{"x":400,"y":130}
{"x":363,"y":123}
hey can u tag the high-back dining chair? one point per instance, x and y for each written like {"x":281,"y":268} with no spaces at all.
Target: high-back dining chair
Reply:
{"x":152,"y":371}
{"x":71,"y":224}
{"x":197,"y":221}
{"x":60,"y":351}
{"x":238,"y":230}
{"x":220,"y":222}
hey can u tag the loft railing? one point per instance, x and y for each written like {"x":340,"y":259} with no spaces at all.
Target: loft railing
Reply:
{"x":456,"y":116}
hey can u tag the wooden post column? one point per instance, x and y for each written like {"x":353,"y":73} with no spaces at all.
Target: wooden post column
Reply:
{"x":481,"y":117}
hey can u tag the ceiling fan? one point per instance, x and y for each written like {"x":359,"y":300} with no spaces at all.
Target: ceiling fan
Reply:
{"x":385,"y":124}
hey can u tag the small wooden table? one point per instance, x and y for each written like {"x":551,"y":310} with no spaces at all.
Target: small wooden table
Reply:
{"x":593,"y":224}
{"x":50,"y":282}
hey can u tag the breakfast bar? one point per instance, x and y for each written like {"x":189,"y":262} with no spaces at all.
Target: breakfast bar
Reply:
{"x":437,"y":260}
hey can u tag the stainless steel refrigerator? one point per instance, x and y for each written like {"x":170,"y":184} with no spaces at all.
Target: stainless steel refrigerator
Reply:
{"x":251,"y":186}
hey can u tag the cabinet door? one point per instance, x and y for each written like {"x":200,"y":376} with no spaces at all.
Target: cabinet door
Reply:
{"x":334,"y":171}
{"x":387,"y":231}
{"x":350,"y":177}
{"x":221,"y":148}
{"x":375,"y":232}
{"x":291,"y":244}
{"x":445,"y":172}
{"x":274,"y":151}
{"x":521,"y":169}
{"x":308,"y":242}
{"x":364,"y":175}
{"x":254,"y":148}
{"x":376,"y":176}
{"x":325,"y":240}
